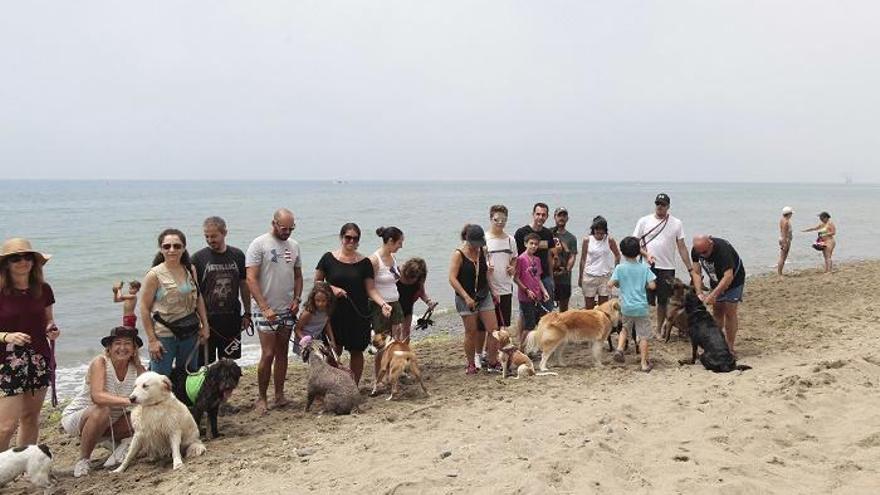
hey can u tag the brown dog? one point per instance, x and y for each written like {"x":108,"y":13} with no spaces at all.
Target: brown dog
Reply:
{"x":576,"y":325}
{"x":396,"y":357}
{"x":675,"y":313}
{"x":512,"y":358}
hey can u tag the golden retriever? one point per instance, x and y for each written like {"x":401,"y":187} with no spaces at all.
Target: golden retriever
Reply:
{"x":576,"y":325}
{"x":162,"y":424}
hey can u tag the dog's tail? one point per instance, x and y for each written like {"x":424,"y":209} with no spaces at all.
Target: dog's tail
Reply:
{"x":743,"y":367}
{"x":531,"y":343}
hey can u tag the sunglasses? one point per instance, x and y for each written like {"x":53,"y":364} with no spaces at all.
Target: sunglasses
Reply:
{"x":176,"y":245}
{"x":282,"y":227}
{"x":351,"y":238}
{"x":15,"y":258}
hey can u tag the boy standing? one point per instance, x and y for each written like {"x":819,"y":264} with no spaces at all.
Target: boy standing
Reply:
{"x":129,"y":302}
{"x":532,"y":294}
{"x":633,"y":278}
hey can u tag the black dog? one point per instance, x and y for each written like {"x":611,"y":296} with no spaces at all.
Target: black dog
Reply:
{"x":221,"y":378}
{"x":704,"y":333}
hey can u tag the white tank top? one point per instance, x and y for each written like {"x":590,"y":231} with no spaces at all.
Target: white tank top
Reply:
{"x":112,"y":385}
{"x":600,"y":259}
{"x":385,"y":279}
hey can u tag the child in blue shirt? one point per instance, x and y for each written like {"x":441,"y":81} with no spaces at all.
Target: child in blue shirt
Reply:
{"x":633,"y":278}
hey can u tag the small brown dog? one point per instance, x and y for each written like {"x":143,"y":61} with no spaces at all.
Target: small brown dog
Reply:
{"x":675,"y":313}
{"x":511,"y":358}
{"x":576,"y":325}
{"x":396,"y":357}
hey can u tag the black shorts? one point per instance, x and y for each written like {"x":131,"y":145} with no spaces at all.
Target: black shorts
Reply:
{"x":225,"y":338}
{"x":661,"y":294}
{"x":562,"y":292}
{"x":22,"y":371}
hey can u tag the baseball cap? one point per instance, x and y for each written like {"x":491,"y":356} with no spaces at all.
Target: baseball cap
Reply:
{"x":786,"y":210}
{"x":559,"y":210}
{"x":474,"y":235}
{"x":662,"y":198}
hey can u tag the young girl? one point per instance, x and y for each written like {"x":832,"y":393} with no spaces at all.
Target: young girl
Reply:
{"x":314,"y":320}
{"x":411,"y":288}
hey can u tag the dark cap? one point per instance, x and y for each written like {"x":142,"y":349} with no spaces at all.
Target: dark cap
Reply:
{"x":125,"y":332}
{"x":662,"y":198}
{"x":559,"y":210}
{"x":474,"y":235}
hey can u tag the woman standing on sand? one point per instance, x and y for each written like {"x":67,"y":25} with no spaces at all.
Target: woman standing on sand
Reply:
{"x":599,"y":256}
{"x":27,"y":325}
{"x":351,"y":278}
{"x":826,"y":241}
{"x":172,"y":308}
{"x":474,"y":299}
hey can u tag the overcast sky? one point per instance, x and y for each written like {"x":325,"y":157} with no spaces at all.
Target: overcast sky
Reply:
{"x":615,"y":90}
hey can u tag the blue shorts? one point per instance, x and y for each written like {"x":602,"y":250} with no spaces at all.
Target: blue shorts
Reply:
{"x":732,"y":295}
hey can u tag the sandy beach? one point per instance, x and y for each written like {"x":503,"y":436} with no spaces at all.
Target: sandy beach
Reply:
{"x":806,"y":419}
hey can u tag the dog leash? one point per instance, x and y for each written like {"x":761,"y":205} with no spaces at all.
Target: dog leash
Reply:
{"x":425,"y":321}
{"x":53,"y":365}
{"x":356,"y":309}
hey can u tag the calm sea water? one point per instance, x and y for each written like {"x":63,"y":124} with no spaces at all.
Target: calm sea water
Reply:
{"x":102,"y":232}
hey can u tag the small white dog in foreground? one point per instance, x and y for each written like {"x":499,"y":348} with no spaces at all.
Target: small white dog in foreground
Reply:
{"x":162,"y":424}
{"x":35,"y":460}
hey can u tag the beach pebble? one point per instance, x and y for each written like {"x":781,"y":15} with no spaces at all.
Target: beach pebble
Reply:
{"x":305,"y":452}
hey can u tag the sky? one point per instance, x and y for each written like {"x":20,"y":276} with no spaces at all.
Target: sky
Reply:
{"x":616,"y":90}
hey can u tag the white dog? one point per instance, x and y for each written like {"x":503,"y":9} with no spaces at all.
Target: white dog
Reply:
{"x":162,"y":424}
{"x":35,"y":460}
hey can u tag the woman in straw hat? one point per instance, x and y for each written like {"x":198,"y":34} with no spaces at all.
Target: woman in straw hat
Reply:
{"x":26,"y":327}
{"x":99,"y":408}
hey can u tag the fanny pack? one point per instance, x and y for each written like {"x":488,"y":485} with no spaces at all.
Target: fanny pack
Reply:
{"x":182,"y":328}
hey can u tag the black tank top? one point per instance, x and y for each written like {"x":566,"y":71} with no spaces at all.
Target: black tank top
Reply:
{"x":475,"y":284}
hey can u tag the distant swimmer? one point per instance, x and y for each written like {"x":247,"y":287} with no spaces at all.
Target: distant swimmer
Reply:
{"x":784,"y":237}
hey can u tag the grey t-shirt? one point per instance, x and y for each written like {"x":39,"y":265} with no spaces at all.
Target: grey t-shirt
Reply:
{"x":277,"y":260}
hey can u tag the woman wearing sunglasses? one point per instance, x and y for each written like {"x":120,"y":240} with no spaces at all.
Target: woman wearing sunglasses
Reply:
{"x":26,"y":327}
{"x":172,"y":309}
{"x":351,"y":278}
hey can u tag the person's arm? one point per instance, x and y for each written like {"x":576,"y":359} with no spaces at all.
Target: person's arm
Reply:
{"x":683,"y":252}
{"x":613,"y":281}
{"x":454,"y":265}
{"x":584,"y":247}
{"x":612,"y":244}
{"x":652,"y":281}
{"x":117,"y":292}
{"x":148,"y":297}
{"x":96,"y":386}
{"x":304,"y":318}
{"x":245,"y":293}
{"x":697,"y":277}
{"x":205,"y":330}
{"x":253,"y":283}
{"x":831,"y":229}
{"x":377,"y":298}
{"x":297,"y":289}
{"x":722,"y":286}
{"x":328,"y":329}
{"x":571,"y":257}
{"x":813,"y":229}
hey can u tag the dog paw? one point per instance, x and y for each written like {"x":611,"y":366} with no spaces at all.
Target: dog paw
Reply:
{"x":176,"y":466}
{"x":117,"y":470}
{"x":195,"y":450}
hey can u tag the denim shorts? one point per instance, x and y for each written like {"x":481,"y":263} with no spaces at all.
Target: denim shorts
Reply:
{"x":732,"y":294}
{"x":485,"y":305}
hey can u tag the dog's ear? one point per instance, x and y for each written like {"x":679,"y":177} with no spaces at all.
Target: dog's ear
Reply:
{"x":45,"y":449}
{"x":167,"y":382}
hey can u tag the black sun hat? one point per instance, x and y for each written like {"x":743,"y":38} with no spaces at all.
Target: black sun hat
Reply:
{"x":125,"y":332}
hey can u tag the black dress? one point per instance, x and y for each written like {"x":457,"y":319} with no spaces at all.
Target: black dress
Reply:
{"x":350,"y":318}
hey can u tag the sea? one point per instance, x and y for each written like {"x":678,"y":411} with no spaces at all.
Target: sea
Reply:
{"x":101,"y":232}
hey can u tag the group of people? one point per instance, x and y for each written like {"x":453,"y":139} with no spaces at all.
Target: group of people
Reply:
{"x":205,"y":301}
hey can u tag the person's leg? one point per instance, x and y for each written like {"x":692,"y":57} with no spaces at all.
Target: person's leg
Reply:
{"x":470,"y":338}
{"x":10,"y":413}
{"x":406,"y":328}
{"x":731,"y":324}
{"x":643,"y":352}
{"x":94,"y":423}
{"x":783,"y":255}
{"x":827,"y":252}
{"x":479,"y":343}
{"x":29,"y":424}
{"x":661,"y":318}
{"x":279,"y":369}
{"x":357,"y":365}
{"x":264,"y":369}
{"x":187,"y":349}
{"x":603,"y":300}
{"x":490,"y":323}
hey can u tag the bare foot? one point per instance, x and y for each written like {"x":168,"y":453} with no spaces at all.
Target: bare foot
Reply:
{"x":260,"y":407}
{"x":279,"y":402}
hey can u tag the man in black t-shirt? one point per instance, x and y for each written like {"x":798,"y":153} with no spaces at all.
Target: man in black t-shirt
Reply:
{"x":221,"y":275}
{"x":727,"y":279}
{"x":540,"y":212}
